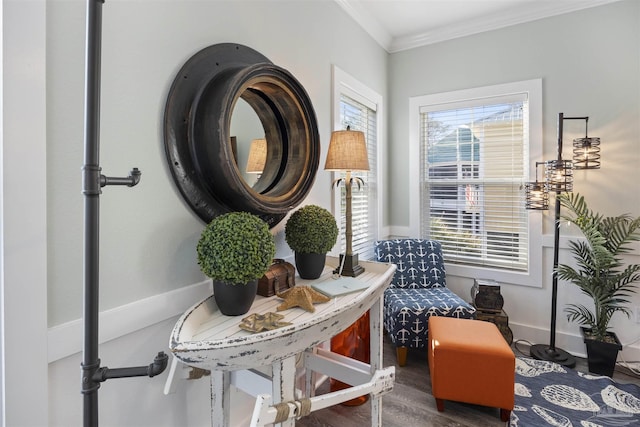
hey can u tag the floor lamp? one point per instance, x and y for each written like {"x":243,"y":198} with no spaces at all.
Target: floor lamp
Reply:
{"x":348,"y":153}
{"x":558,"y":179}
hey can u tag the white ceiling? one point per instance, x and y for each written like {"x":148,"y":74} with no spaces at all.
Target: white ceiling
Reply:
{"x":404,"y":24}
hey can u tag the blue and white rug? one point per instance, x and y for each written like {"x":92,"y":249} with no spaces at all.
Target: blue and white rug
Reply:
{"x":548,"y":394}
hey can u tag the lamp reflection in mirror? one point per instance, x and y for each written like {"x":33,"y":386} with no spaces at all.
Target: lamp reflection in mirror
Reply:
{"x":348,"y":153}
{"x":559,"y":178}
{"x":257,"y":156}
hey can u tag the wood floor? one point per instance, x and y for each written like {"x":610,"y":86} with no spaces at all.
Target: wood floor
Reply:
{"x":411,"y":404}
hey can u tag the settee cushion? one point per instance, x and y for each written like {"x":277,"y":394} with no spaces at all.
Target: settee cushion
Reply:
{"x":419,"y":262}
{"x":407,"y":312}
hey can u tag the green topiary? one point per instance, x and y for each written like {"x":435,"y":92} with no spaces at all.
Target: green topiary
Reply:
{"x":311,"y":229}
{"x":236,"y":248}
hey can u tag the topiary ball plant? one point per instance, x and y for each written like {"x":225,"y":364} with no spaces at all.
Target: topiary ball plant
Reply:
{"x":311,"y":232}
{"x":311,"y":229}
{"x":236,"y":248}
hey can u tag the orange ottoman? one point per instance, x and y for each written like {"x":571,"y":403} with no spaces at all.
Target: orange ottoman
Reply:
{"x":469,"y":361}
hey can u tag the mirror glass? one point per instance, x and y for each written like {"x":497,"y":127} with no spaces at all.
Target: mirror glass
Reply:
{"x":245,"y":127}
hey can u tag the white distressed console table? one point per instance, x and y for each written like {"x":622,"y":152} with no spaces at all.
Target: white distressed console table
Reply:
{"x":207,"y":339}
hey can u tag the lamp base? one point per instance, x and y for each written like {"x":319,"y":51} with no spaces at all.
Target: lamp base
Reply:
{"x":557,"y":355}
{"x":351,"y":267}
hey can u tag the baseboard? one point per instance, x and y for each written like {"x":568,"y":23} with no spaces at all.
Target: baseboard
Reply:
{"x":66,"y":339}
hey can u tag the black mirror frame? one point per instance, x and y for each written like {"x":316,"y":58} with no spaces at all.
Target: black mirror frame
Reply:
{"x":197,"y":139}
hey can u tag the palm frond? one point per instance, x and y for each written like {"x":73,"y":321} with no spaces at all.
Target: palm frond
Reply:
{"x":600,"y":271}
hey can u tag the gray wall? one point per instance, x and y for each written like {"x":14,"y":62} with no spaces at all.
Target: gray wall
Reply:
{"x":148,"y":234}
{"x":589,"y":63}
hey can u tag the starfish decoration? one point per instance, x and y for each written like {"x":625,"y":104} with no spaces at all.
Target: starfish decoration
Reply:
{"x":301,"y":296}
{"x":263,"y":322}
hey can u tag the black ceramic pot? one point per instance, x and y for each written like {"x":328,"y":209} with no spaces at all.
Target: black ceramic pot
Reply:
{"x":602,"y":356}
{"x":234,"y":300}
{"x":310,"y":265}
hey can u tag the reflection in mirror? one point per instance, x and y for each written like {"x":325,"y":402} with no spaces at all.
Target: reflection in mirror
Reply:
{"x":245,"y":127}
{"x":257,"y":157}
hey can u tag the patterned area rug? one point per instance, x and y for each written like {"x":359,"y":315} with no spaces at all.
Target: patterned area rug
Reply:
{"x":548,"y":394}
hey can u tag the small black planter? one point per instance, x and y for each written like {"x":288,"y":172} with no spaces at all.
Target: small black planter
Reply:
{"x":310,"y":265}
{"x":601,"y":355}
{"x":234,"y":300}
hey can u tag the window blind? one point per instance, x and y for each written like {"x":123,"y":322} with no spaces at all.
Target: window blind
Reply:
{"x":473,"y":161}
{"x":361,"y":117}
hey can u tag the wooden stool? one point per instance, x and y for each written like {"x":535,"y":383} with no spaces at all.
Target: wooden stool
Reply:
{"x":469,"y":361}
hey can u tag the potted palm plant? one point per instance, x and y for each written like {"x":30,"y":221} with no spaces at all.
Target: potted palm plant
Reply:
{"x":602,"y":275}
{"x":311,"y":232}
{"x":235,"y":250}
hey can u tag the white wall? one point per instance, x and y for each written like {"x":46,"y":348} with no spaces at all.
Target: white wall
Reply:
{"x":148,"y":234}
{"x":589,"y":62}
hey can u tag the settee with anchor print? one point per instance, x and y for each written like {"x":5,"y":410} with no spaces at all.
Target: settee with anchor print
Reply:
{"x":417,"y":291}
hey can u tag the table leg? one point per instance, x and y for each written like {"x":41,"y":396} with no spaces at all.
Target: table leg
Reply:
{"x":220,"y":398}
{"x":284,"y":377}
{"x":375,"y":326}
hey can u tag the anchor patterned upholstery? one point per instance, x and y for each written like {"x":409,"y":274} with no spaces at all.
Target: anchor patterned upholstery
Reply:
{"x":417,"y":291}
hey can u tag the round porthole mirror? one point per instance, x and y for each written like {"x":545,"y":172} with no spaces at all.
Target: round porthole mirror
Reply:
{"x":223,"y":99}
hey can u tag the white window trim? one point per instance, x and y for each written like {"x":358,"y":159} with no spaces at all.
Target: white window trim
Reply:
{"x":344,"y":83}
{"x":534,"y":89}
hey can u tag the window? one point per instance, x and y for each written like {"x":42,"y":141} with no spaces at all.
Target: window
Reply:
{"x":473,"y":157}
{"x":359,"y":107}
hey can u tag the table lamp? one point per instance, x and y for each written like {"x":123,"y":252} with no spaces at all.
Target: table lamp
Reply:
{"x":348,"y":153}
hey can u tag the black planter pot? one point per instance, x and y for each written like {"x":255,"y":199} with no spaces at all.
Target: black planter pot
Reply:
{"x":310,"y":265}
{"x":234,"y":300}
{"x":601,"y":355}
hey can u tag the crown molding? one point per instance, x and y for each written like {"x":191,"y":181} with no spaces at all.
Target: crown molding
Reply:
{"x":539,"y":10}
{"x":367,"y":21}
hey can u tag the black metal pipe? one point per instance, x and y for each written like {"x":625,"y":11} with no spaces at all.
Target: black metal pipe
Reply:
{"x":91,"y":191}
{"x":156,"y":368}
{"x":92,"y":182}
{"x":129,"y":181}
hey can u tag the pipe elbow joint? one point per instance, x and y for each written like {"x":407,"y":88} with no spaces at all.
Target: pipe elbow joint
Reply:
{"x":134,"y":177}
{"x":159,"y":364}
